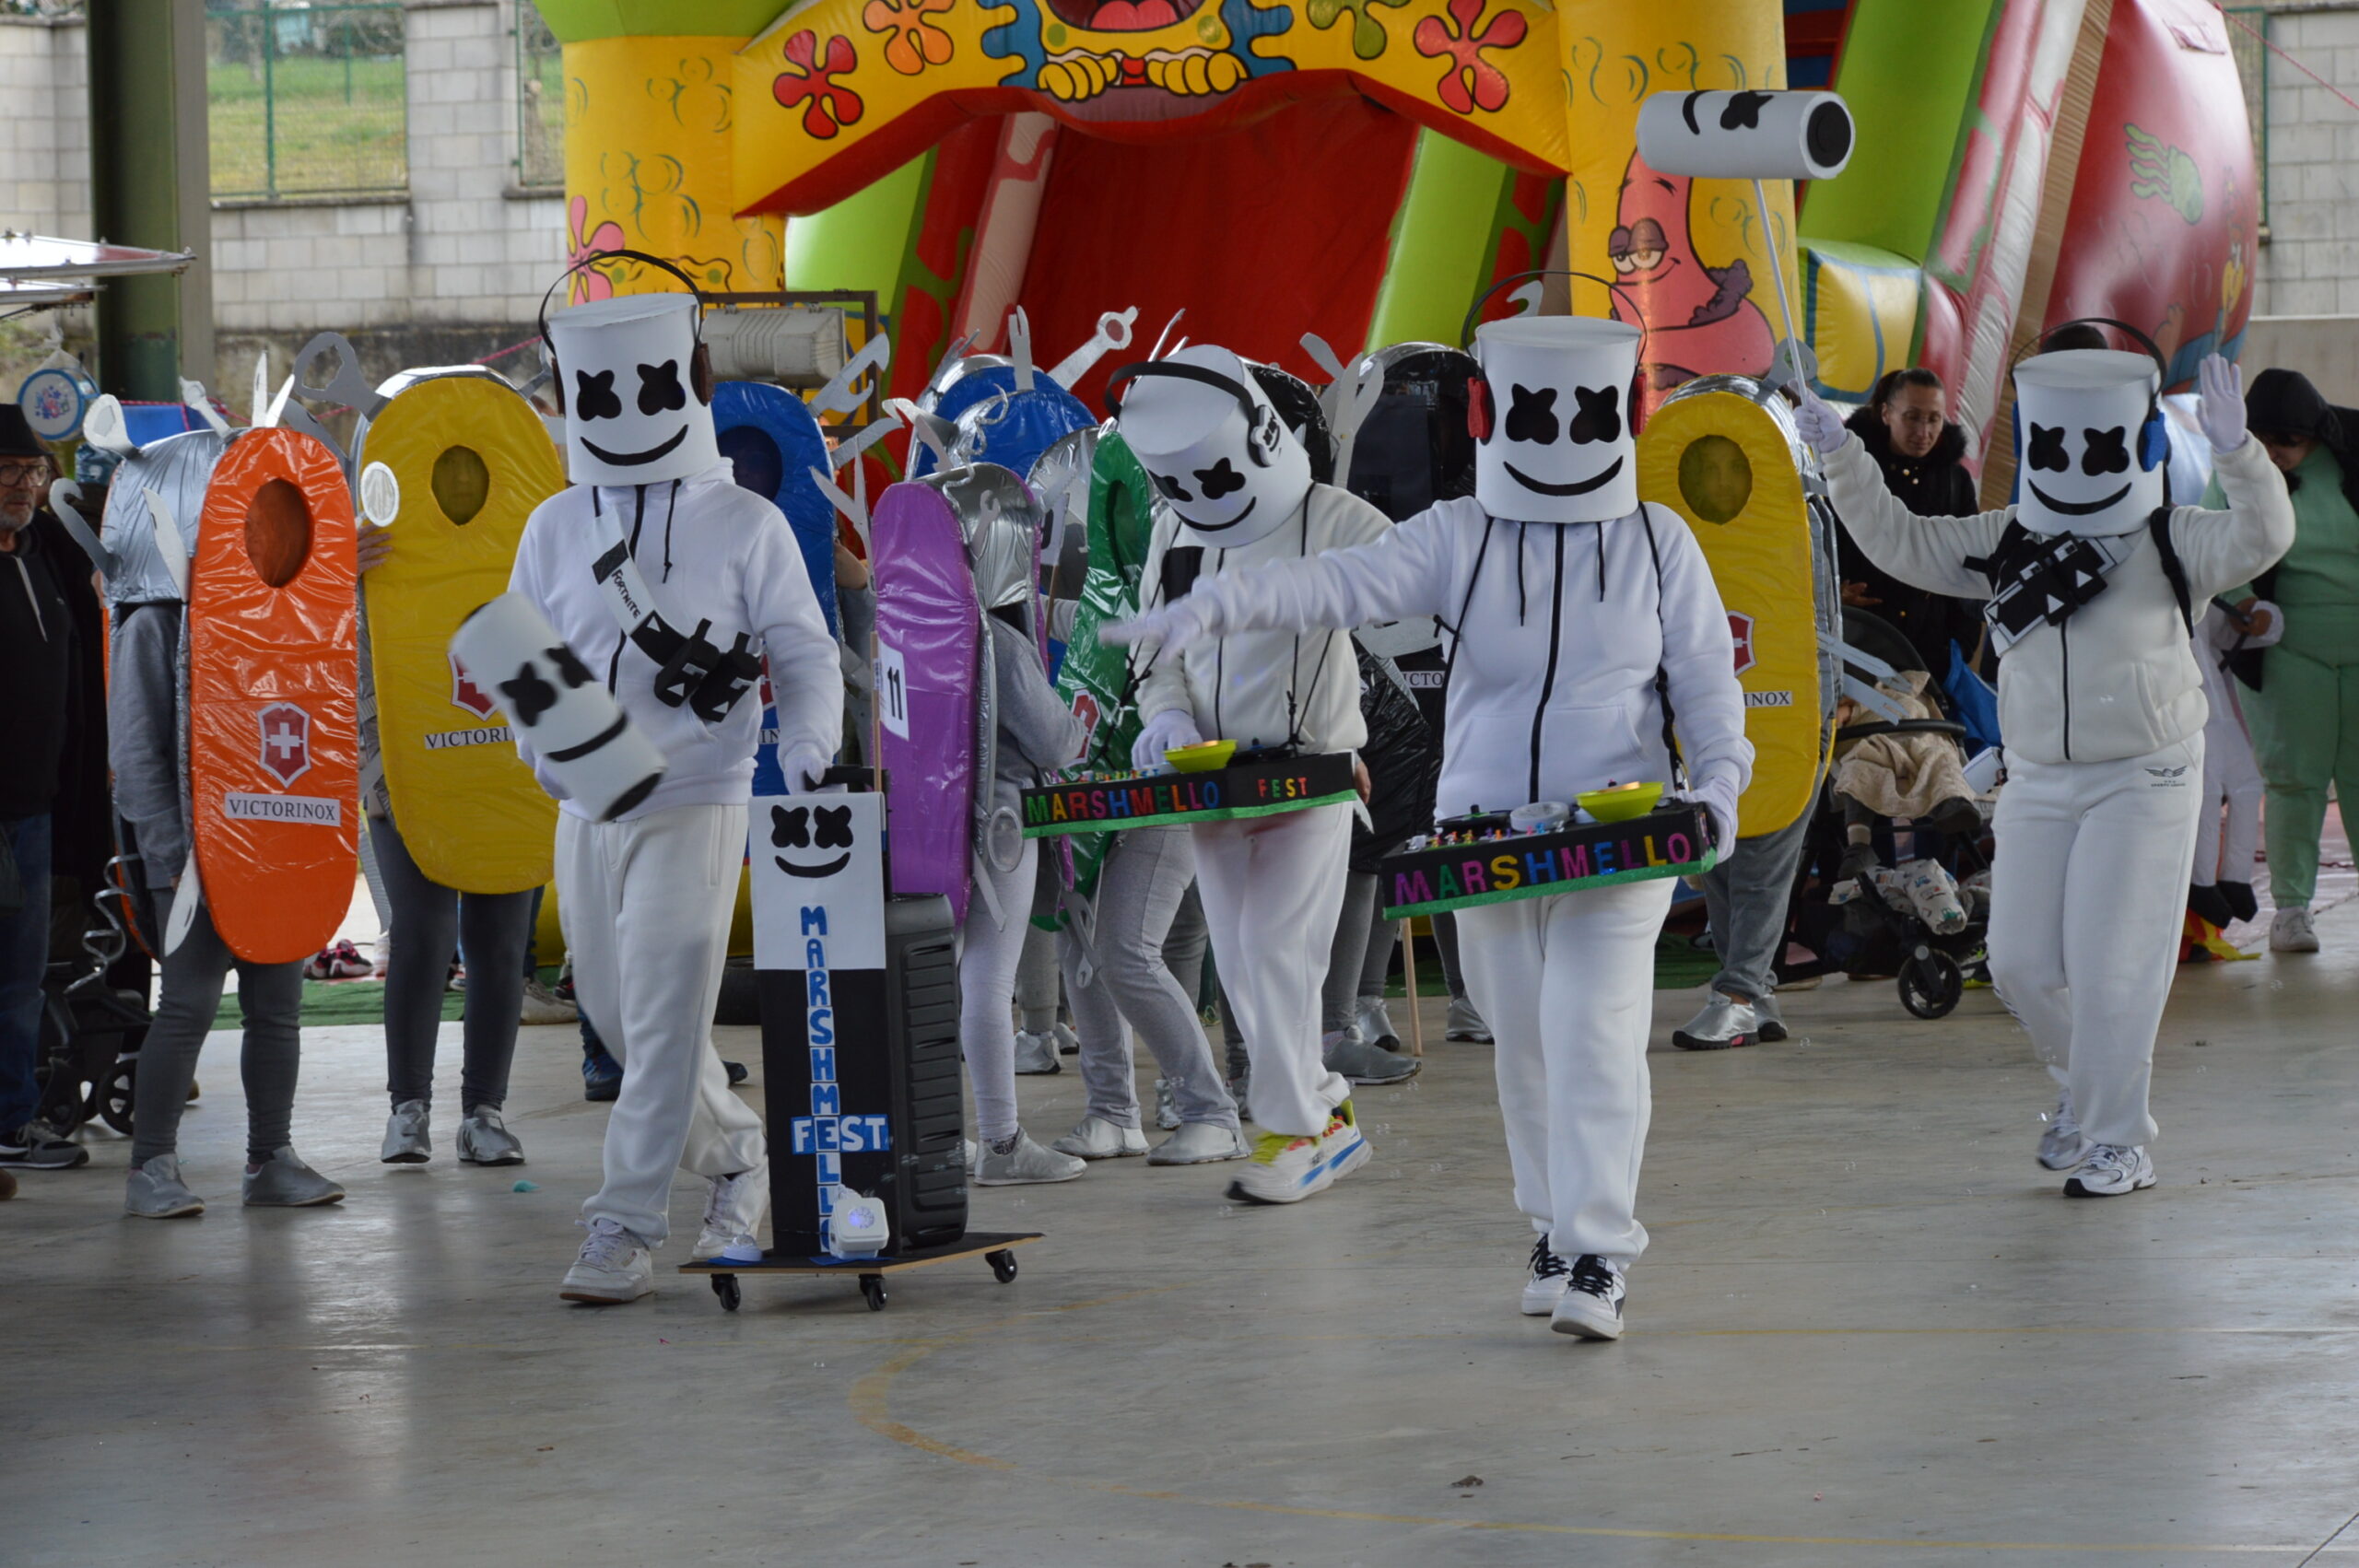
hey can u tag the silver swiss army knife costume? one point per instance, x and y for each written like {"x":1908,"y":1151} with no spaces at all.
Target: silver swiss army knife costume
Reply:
{"x":1584,"y":622}
{"x":1242,"y":502}
{"x":2089,"y":578}
{"x":669,"y":586}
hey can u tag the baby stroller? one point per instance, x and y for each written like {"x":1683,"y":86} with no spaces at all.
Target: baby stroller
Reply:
{"x":91,"y":1027}
{"x":1867,"y":926}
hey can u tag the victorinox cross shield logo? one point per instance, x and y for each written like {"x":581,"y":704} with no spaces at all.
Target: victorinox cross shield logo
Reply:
{"x":465,"y":694}
{"x":1741,"y":636}
{"x":286,"y":742}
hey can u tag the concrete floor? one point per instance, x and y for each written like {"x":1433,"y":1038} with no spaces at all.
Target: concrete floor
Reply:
{"x":1869,"y":1332}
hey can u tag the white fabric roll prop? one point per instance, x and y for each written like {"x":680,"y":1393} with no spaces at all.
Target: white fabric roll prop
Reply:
{"x":579,"y":736}
{"x":1746,"y":136}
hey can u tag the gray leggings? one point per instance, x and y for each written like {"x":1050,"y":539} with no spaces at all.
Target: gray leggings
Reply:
{"x":1360,"y":957}
{"x":429,"y":919}
{"x":1035,"y":972}
{"x":270,"y":999}
{"x":1148,"y":873}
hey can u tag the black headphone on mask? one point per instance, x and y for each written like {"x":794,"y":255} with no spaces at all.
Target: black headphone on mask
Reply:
{"x":1264,"y":428}
{"x":1482,"y":406}
{"x":2153,"y":435}
{"x":699,"y":362}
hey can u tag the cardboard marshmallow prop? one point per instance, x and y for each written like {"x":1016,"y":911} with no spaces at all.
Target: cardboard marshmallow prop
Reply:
{"x":1217,"y":446}
{"x":273,"y":728}
{"x":454,"y":465}
{"x":634,"y":382}
{"x":578,"y":732}
{"x":1551,"y":416}
{"x":149,"y":531}
{"x":2094,"y":443}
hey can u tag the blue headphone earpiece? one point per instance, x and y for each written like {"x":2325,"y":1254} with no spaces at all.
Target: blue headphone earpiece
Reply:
{"x":2153,"y":440}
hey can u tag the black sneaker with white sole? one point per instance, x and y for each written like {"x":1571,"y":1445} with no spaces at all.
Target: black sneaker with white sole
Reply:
{"x":1592,"y":1306}
{"x":37,"y":1146}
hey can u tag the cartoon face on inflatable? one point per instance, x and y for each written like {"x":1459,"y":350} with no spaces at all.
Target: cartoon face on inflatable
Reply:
{"x":1215,"y":444}
{"x":636,"y":400}
{"x":1552,"y":419}
{"x":2093,"y":456}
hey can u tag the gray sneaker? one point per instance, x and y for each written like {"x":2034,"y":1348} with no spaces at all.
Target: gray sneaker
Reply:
{"x":543,"y":1005}
{"x":1374,"y":1021}
{"x":1167,"y":1110}
{"x":1724,"y":1023}
{"x":2062,"y":1147}
{"x":287,"y":1183}
{"x":612,"y":1268}
{"x":405,"y":1136}
{"x":37,"y":1146}
{"x":484,"y":1139}
{"x":1200,"y":1143}
{"x":1465,"y":1023}
{"x":1036,"y":1055}
{"x":1025,"y":1164}
{"x":1364,"y":1063}
{"x":1773,"y":1021}
{"x":157,"y":1192}
{"x":1096,"y":1137}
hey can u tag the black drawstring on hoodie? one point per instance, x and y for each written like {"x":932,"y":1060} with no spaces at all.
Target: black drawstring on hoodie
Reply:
{"x":670,"y":509}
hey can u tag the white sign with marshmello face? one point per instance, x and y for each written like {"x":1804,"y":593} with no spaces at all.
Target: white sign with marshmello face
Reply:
{"x":818,"y":873}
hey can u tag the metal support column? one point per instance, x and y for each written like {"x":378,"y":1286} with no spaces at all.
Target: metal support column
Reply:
{"x":150,"y":184}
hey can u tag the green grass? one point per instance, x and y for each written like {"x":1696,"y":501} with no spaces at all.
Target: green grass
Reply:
{"x":339,"y":126}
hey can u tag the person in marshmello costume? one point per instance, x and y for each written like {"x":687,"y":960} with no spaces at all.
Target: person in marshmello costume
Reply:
{"x":2227,"y":825}
{"x":1586,"y":637}
{"x":2093,"y":578}
{"x":1242,"y":502}
{"x":672,"y":587}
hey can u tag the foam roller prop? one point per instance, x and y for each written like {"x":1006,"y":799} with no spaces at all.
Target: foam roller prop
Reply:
{"x":579,"y":736}
{"x":454,"y":466}
{"x":272,"y":713}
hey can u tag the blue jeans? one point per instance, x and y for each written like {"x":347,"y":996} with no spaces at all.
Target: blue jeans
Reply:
{"x":24,"y":957}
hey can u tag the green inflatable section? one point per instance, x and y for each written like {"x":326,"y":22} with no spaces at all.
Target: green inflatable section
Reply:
{"x":1443,"y":240}
{"x":863,"y":240}
{"x":577,"y":21}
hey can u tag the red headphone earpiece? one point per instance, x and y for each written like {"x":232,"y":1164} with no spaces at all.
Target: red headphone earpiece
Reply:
{"x":1478,"y":409}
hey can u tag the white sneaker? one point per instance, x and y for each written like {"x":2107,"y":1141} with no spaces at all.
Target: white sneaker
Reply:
{"x":543,"y":1005}
{"x":1290,"y":1167}
{"x":1545,"y":1285}
{"x":2061,"y":1147}
{"x":1465,"y":1023}
{"x":1025,"y":1165}
{"x":2291,"y":932}
{"x":733,"y":1212}
{"x":1095,"y":1138}
{"x":1932,"y":893}
{"x":1592,"y":1305}
{"x":1036,"y":1054}
{"x":405,"y":1139}
{"x":612,"y":1268}
{"x":1199,"y":1144}
{"x":2109,"y":1171}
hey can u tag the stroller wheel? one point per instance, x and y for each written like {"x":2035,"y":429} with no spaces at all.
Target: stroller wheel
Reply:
{"x":1930,"y":982}
{"x":114,"y":1097}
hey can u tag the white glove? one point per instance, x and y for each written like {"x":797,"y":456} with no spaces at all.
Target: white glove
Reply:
{"x":1820,"y":425}
{"x":1176,"y":625}
{"x":1167,"y":731}
{"x":804,"y":765}
{"x":1718,"y":796}
{"x":2221,"y":406}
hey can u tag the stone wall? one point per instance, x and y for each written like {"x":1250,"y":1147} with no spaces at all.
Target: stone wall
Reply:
{"x":2310,"y":264}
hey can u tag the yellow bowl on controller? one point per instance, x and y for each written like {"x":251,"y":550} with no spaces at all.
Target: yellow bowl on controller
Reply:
{"x":1206,"y":756}
{"x":1621,"y":802}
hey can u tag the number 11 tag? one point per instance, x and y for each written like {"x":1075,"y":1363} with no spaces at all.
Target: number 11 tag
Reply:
{"x":892,"y":690}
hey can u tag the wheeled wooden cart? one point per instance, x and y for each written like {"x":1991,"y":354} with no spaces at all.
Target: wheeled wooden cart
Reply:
{"x":999,"y":1251}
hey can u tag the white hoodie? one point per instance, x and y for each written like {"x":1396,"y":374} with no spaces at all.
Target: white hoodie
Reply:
{"x":709,"y":550}
{"x":1564,"y":628}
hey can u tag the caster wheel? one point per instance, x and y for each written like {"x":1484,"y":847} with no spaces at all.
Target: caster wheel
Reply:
{"x":1002,"y":1265}
{"x":114,"y":1097}
{"x":872,"y":1287}
{"x":725,"y":1286}
{"x":1930,"y":983}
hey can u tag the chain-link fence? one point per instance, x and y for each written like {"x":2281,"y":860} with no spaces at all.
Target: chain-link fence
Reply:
{"x":2248,"y":44}
{"x":307,"y":99}
{"x":540,"y":101}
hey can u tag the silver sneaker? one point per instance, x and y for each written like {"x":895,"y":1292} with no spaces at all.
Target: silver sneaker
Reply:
{"x":612,"y":1268}
{"x":543,"y":1005}
{"x":1036,"y":1055}
{"x":2291,"y":930}
{"x":2110,"y":1171}
{"x":1724,"y":1023}
{"x":1200,"y":1143}
{"x":1773,"y":1021}
{"x":484,"y":1139}
{"x":1095,"y":1138}
{"x":733,"y":1212}
{"x":1068,"y":1043}
{"x":1025,"y":1164}
{"x":1374,"y":1021}
{"x":1465,"y":1023}
{"x":157,"y":1192}
{"x":1364,"y":1063}
{"x":285,"y":1182}
{"x":405,"y":1135}
{"x":1167,"y":1109}
{"x":2061,"y":1147}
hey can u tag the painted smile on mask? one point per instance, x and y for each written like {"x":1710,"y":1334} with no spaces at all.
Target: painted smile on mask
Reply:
{"x":1580,"y":488}
{"x":830,"y":869}
{"x":633,"y":460}
{"x":1232,"y":522}
{"x":2082,"y":509}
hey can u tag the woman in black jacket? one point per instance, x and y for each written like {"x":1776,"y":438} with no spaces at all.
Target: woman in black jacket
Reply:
{"x":1921,"y":453}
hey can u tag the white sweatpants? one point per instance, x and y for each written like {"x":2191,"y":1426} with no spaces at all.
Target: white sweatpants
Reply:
{"x":2231,"y":777}
{"x":645,"y":905}
{"x":1567,"y":984}
{"x":988,"y":957}
{"x":1273,"y":888}
{"x":2086,"y":897}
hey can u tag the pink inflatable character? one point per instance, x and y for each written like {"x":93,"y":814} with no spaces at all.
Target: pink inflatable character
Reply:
{"x":1699,"y":321}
